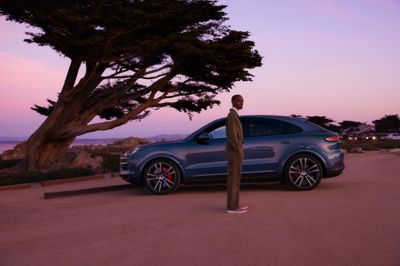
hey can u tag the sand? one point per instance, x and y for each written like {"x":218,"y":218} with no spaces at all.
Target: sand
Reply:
{"x":353,"y":219}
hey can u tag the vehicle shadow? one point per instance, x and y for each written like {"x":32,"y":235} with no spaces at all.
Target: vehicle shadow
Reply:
{"x":129,"y":189}
{"x":271,"y":186}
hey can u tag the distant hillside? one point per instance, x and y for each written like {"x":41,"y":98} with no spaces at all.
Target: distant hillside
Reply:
{"x":87,"y":141}
{"x":15,"y":140}
{"x":82,"y":141}
{"x":4,"y":139}
{"x":166,"y":137}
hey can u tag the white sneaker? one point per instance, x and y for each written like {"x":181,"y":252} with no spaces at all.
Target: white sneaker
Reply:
{"x":239,"y":210}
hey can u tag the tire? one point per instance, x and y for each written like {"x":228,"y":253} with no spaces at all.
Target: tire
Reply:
{"x":303,"y":172}
{"x":161,"y":176}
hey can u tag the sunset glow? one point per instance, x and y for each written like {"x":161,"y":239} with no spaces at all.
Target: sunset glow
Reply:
{"x":339,"y":59}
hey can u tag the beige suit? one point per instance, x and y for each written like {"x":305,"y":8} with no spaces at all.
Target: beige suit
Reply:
{"x":234,"y":152}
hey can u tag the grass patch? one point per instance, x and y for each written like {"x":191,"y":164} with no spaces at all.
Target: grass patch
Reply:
{"x":69,"y":173}
{"x":13,"y":178}
{"x":110,"y":161}
{"x":22,"y":178}
{"x":8,"y":163}
{"x":388,"y":144}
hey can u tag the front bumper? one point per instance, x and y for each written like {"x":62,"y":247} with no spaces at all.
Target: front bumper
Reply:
{"x":126,"y":171}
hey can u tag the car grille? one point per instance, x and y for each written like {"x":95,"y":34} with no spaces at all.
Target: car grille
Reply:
{"x":123,"y":164}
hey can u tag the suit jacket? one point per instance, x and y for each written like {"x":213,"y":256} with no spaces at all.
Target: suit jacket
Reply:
{"x":234,"y":131}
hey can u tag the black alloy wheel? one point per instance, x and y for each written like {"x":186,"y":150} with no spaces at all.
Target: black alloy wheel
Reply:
{"x":303,"y":172}
{"x":162,"y":176}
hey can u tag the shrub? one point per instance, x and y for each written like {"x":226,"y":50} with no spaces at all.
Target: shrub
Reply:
{"x":388,"y":144}
{"x":69,"y":173}
{"x":370,"y":145}
{"x":23,"y":177}
{"x":12,"y":178}
{"x":8,"y":163}
{"x":111,"y":162}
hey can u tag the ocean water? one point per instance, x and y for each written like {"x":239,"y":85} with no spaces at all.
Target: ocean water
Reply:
{"x":6,"y":146}
{"x":11,"y":145}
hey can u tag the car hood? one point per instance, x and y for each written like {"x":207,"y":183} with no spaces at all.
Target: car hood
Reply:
{"x":160,"y":145}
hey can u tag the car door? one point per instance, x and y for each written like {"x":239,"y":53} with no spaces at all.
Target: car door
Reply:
{"x":206,"y":154}
{"x":266,"y":140}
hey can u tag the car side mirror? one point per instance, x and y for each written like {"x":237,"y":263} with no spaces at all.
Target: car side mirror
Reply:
{"x":203,"y":137}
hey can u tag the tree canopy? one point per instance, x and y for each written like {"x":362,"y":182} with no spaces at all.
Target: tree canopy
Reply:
{"x":387,"y":124}
{"x":348,"y":124}
{"x":139,"y":55}
{"x":179,"y":49}
{"x":324,"y":122}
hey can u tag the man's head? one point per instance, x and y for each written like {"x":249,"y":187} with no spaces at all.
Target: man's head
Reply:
{"x":237,"y":101}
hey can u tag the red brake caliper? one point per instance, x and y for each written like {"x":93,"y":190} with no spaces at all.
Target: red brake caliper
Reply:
{"x":167,"y":174}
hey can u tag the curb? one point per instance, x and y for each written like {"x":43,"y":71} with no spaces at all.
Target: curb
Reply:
{"x":58,"y":181}
{"x":15,"y":187}
{"x":66,"y":193}
{"x":69,"y":180}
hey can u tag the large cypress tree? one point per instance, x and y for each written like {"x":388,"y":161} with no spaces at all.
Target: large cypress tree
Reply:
{"x":138,"y":55}
{"x":387,"y":124}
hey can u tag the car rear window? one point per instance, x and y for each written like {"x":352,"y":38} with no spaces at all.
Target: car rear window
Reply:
{"x":267,"y":127}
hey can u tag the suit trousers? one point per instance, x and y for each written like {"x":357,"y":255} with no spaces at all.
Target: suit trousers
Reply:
{"x":235,"y":159}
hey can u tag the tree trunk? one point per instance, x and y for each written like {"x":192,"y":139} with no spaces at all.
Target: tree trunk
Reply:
{"x":45,"y":147}
{"x":49,"y":143}
{"x":41,"y":153}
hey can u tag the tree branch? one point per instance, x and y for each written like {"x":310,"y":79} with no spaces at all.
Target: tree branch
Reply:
{"x":117,"y":77}
{"x":155,"y":77}
{"x":115,"y":123}
{"x":88,"y":82}
{"x":115,"y":74}
{"x":151,"y":101}
{"x":71,"y":77}
{"x":159,"y":69}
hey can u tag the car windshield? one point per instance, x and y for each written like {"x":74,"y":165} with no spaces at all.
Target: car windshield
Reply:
{"x":206,"y":129}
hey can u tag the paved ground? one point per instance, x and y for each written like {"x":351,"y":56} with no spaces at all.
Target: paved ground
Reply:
{"x":353,"y":219}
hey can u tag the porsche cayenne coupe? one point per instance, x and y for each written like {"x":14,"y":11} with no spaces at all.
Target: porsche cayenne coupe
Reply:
{"x":290,"y":149}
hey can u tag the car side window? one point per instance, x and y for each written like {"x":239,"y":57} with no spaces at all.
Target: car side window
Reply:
{"x":268,"y":127}
{"x":218,"y":133}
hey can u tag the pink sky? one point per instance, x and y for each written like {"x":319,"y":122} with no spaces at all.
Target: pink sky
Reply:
{"x":340,"y":59}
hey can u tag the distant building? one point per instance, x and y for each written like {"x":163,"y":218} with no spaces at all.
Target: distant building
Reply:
{"x":362,"y":131}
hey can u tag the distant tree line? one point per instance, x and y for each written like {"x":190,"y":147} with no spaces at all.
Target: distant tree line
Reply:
{"x":386,"y":124}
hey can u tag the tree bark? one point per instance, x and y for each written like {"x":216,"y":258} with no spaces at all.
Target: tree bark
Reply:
{"x":41,"y":153}
{"x":70,"y":118}
{"x":49,"y":143}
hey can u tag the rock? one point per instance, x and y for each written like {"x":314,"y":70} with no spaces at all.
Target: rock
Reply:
{"x":17,"y":153}
{"x":84,"y":160}
{"x":130,"y":142}
{"x":65,"y":162}
{"x":356,"y":150}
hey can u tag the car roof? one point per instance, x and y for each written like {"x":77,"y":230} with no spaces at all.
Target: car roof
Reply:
{"x":299,"y":121}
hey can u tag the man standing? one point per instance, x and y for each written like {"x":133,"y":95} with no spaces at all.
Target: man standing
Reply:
{"x":234,"y":152}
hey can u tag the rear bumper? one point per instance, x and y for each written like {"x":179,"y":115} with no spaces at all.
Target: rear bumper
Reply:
{"x":335,"y":170}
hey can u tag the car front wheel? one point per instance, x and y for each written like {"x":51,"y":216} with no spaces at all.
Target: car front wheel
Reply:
{"x":162,"y":176}
{"x":303,"y":172}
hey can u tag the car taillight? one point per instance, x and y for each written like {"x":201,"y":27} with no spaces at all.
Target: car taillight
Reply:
{"x":332,"y":139}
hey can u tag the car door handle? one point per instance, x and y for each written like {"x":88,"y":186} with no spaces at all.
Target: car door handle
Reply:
{"x":286,"y":141}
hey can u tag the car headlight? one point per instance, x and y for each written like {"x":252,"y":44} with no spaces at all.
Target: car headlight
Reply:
{"x":132,"y":151}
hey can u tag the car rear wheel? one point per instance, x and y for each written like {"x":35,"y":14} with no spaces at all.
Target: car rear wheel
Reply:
{"x":303,"y":172}
{"x":162,"y":176}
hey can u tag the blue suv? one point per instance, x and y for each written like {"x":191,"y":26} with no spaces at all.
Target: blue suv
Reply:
{"x":290,"y":149}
